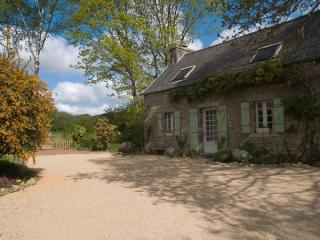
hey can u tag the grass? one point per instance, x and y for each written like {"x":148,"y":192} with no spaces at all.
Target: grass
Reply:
{"x":13,"y":168}
{"x":113,"y":147}
{"x":12,"y":159}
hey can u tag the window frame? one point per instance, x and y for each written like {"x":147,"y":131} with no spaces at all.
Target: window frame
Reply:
{"x":210,"y":128}
{"x":270,"y":45}
{"x":168,"y":123}
{"x":267,"y":125}
{"x":185,"y":76}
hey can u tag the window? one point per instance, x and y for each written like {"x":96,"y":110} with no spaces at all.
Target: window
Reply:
{"x":168,"y":123}
{"x":267,"y":52}
{"x":183,"y":74}
{"x":263,"y":116}
{"x":211,"y":126}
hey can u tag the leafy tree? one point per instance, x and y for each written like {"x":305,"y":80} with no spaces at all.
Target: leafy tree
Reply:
{"x":78,"y":133}
{"x":249,"y":14}
{"x":130,"y":121}
{"x":125,"y":43}
{"x":10,"y":34}
{"x":106,"y":132}
{"x":26,"y":107}
{"x":64,"y":122}
{"x":26,"y":25}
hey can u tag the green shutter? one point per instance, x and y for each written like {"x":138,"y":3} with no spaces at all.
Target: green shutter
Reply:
{"x":177,"y":123}
{"x":278,"y":116}
{"x":160,"y":123}
{"x":245,"y":117}
{"x":194,"y":129}
{"x":222,"y":125}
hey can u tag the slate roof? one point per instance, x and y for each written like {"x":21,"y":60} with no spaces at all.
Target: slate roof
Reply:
{"x":300,"y":38}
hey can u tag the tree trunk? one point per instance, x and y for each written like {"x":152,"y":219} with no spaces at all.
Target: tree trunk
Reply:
{"x":36,"y":66}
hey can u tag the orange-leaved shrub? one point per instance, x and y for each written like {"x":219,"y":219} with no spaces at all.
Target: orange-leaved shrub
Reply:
{"x":26,"y":108}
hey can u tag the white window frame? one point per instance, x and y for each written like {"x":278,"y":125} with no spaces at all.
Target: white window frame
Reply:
{"x":168,"y":123}
{"x":265,"y":123}
{"x":275,"y":53}
{"x":185,"y":76}
{"x":211,"y":125}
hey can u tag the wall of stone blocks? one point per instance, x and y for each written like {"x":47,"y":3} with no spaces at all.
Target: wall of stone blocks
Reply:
{"x":160,"y":103}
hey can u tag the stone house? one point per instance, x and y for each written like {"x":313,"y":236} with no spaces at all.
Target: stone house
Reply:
{"x":253,"y":114}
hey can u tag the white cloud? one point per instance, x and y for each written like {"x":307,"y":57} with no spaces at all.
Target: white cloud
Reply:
{"x":77,"y":98}
{"x":228,"y":34}
{"x":196,"y":44}
{"x":57,"y":57}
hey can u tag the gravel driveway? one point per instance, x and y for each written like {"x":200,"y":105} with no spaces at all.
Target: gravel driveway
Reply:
{"x":104,"y":197}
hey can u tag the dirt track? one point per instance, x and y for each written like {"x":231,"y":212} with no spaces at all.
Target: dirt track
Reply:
{"x":97,"y":196}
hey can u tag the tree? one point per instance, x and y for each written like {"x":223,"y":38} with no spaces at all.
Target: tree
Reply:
{"x":10,"y":34}
{"x":106,"y":132}
{"x":130,"y":122}
{"x":64,"y":122}
{"x":257,"y":14}
{"x":38,"y":19}
{"x":26,"y":25}
{"x":26,"y":107}
{"x":78,"y":133}
{"x":125,"y":43}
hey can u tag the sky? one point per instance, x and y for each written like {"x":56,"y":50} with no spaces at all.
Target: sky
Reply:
{"x":67,"y":83}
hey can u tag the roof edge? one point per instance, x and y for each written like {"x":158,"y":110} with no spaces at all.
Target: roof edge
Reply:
{"x":305,"y":60}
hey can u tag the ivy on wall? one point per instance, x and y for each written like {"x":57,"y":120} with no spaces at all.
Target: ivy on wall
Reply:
{"x":271,"y":72}
{"x":303,"y":104}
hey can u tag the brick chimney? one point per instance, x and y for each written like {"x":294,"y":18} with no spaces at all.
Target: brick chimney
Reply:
{"x":177,"y":52}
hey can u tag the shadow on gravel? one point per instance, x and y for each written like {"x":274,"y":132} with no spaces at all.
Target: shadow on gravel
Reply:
{"x":239,"y":202}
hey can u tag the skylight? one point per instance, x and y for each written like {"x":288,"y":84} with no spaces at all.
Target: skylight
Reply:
{"x":183,"y":74}
{"x":267,"y":52}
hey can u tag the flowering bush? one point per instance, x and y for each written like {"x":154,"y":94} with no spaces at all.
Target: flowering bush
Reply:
{"x":26,"y":107}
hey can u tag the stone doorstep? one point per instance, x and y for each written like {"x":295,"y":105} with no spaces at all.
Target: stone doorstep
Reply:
{"x":18,"y":187}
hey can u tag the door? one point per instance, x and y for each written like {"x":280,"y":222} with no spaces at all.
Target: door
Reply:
{"x":210,"y":131}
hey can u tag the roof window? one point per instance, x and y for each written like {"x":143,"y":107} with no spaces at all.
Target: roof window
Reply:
{"x":183,"y":74}
{"x":267,"y":52}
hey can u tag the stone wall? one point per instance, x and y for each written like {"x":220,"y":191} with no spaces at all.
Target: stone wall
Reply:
{"x":160,"y":103}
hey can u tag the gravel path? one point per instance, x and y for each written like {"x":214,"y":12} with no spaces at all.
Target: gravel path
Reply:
{"x":98,"y":196}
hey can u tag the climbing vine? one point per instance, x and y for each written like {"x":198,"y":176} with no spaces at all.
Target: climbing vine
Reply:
{"x":304,"y":107}
{"x":303,"y":104}
{"x":271,"y":72}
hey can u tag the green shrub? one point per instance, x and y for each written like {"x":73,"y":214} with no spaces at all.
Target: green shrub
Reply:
{"x":224,"y":155}
{"x":182,"y":146}
{"x":87,"y":142}
{"x":16,"y":170}
{"x":78,"y":134}
{"x":264,"y":156}
{"x":193,"y":154}
{"x":105,"y":132}
{"x":12,"y":159}
{"x":276,"y":156}
{"x":250,"y":148}
{"x":130,"y":122}
{"x":113,"y":147}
